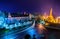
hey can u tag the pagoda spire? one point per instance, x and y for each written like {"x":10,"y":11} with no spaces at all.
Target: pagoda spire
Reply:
{"x":51,"y":12}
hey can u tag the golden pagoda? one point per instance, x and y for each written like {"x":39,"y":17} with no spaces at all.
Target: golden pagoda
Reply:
{"x":50,"y":17}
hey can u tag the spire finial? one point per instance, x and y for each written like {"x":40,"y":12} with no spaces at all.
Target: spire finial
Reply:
{"x":51,"y":12}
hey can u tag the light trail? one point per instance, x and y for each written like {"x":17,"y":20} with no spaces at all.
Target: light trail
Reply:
{"x":41,"y":28}
{"x":22,"y":31}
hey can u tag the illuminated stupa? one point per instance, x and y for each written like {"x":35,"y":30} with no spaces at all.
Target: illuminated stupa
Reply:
{"x":50,"y":17}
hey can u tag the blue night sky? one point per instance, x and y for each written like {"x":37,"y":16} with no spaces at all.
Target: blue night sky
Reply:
{"x":30,"y":6}
{"x":18,"y":5}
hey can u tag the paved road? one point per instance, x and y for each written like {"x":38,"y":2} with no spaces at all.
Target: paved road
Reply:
{"x":49,"y":33}
{"x":20,"y":34}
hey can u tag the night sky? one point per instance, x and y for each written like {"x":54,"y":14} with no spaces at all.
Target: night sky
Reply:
{"x":30,"y":6}
{"x":18,"y":5}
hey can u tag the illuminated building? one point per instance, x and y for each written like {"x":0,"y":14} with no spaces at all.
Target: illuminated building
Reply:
{"x":44,"y":17}
{"x":13,"y":21}
{"x":58,"y":20}
{"x":50,"y":17}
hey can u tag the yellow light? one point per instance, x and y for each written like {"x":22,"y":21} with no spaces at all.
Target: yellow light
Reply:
{"x":46,"y":24}
{"x":50,"y":18}
{"x":58,"y":19}
{"x":41,"y":28}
